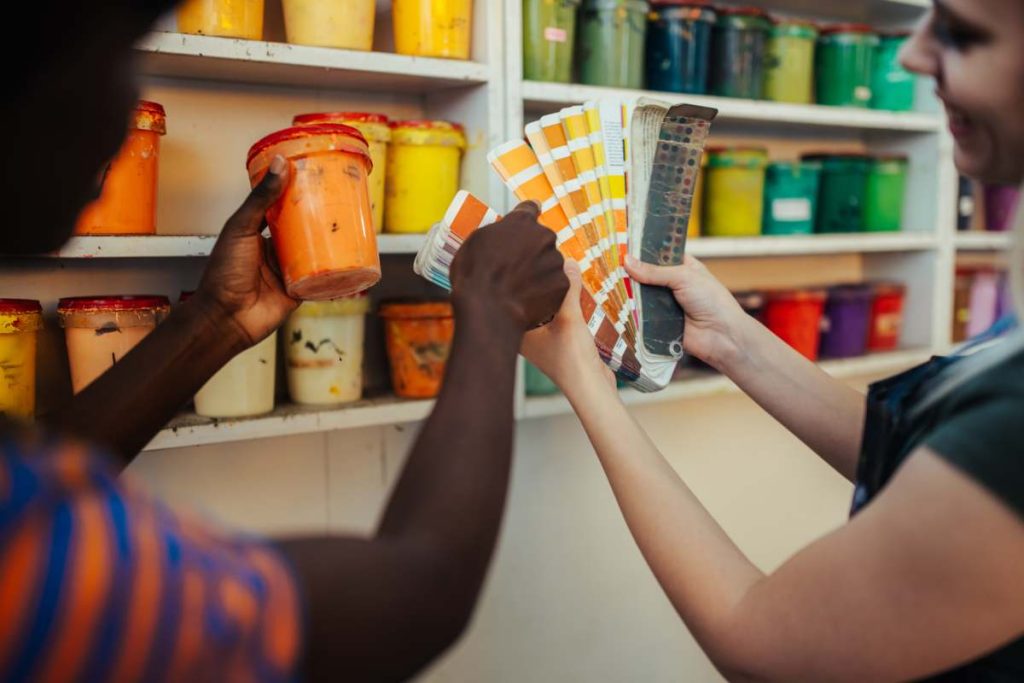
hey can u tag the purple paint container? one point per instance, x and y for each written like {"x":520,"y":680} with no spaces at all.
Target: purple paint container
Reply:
{"x":847,"y":321}
{"x":1000,"y":205}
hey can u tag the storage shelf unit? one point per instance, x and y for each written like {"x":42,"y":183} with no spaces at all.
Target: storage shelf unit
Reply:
{"x":185,"y":246}
{"x":729,"y":247}
{"x":983,"y":241}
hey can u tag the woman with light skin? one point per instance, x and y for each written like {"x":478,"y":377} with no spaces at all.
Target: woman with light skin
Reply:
{"x":926,"y":581}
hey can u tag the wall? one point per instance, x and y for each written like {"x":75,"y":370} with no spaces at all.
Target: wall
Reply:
{"x":569,"y":597}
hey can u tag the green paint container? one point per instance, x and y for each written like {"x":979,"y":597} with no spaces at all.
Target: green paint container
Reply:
{"x":892,"y":86}
{"x":843,"y":65}
{"x":610,"y":48}
{"x":842,"y":194}
{"x":537,"y":383}
{"x":739,"y":47}
{"x":790,"y":74}
{"x":549,"y":39}
{"x":886,"y":189}
{"x":791,"y":197}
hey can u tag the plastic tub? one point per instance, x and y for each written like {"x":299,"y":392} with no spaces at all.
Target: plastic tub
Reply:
{"x":377,"y":132}
{"x":1000,"y":206}
{"x":842,"y":193}
{"x":790,"y":71}
{"x":984,"y":302}
{"x":892,"y":86}
{"x":100,"y":330}
{"x":537,"y":383}
{"x":419,"y":339}
{"x":611,"y":43}
{"x":843,"y":65}
{"x":20,"y":322}
{"x":739,"y":49}
{"x":225,"y":18}
{"x":795,"y":317}
{"x":887,"y":186}
{"x":322,"y":226}
{"x":424,"y":165}
{"x":549,"y":39}
{"x":324,"y":350}
{"x":127,"y":201}
{"x":679,"y":46}
{"x":695,"y":226}
{"x":433,"y":28}
{"x":791,"y":197}
{"x":734,"y":193}
{"x":961,"y":303}
{"x":886,"y":325}
{"x":847,"y":321}
{"x":328,"y":23}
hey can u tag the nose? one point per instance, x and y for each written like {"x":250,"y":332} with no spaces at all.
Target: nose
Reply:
{"x":921,"y":54}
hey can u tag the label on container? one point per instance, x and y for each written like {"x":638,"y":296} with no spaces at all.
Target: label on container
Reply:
{"x":967,"y":206}
{"x":556,"y":35}
{"x":888,"y":324}
{"x":862,"y":93}
{"x":791,"y":209}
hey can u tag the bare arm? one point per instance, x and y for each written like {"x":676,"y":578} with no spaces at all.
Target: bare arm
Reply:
{"x":384,"y":608}
{"x":239,"y":302}
{"x":823,"y":412}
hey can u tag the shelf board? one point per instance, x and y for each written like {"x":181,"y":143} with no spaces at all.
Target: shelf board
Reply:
{"x":250,"y":61}
{"x":538,"y":95}
{"x":185,"y":246}
{"x":795,"y":245}
{"x":983,"y":241}
{"x":704,"y":384}
{"x":289,"y":420}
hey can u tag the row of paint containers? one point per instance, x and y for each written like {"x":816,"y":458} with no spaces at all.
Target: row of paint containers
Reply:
{"x":981,"y":297}
{"x":322,"y":347}
{"x":741,"y":193}
{"x":690,"y":46}
{"x":844,"y":321}
{"x":422,"y":28}
{"x":998,"y":205}
{"x":414,"y":172}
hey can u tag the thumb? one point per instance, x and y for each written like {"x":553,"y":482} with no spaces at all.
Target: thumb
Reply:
{"x":649,"y":274}
{"x":571,"y":304}
{"x":250,"y":217}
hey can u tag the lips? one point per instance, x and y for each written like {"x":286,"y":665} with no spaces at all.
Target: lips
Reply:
{"x":960,"y":124}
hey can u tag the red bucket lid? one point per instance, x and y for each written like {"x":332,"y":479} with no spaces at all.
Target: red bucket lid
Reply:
{"x":20,"y":306}
{"x":428,"y":125}
{"x":150,"y":108}
{"x":348,"y":116}
{"x":889,"y":288}
{"x":847,"y":28}
{"x":296,"y":132}
{"x":112,"y":303}
{"x":796,"y":295}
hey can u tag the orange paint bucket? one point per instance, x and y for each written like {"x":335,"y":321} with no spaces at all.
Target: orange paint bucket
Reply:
{"x":322,"y":226}
{"x":127,"y":202}
{"x":419,"y":339}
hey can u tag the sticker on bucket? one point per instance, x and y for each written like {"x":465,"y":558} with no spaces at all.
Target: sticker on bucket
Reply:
{"x":555,"y":35}
{"x":791,"y":209}
{"x":862,"y":93}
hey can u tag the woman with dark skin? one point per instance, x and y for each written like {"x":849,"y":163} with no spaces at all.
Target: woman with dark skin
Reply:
{"x":371,"y":609}
{"x":926,"y":581}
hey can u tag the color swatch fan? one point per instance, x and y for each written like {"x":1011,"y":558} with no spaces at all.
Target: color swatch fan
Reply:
{"x":612,"y":178}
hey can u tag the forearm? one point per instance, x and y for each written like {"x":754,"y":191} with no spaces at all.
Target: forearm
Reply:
{"x":703,"y":573}
{"x":823,"y":412}
{"x":125,"y":408}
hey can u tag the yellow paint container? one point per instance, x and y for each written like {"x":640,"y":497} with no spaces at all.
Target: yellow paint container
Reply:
{"x":424,"y":162}
{"x":225,"y":18}
{"x":734,"y":192}
{"x":375,"y":129}
{"x":697,"y":207}
{"x":433,"y":28}
{"x":20,"y":322}
{"x":342,"y":24}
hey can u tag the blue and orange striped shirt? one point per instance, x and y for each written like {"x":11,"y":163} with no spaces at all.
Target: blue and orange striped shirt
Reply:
{"x":100,"y":582}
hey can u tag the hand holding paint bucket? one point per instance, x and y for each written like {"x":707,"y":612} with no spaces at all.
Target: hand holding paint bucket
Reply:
{"x":322,"y":226}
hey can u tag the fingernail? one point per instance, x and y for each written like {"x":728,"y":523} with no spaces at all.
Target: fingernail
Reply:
{"x":277,"y":165}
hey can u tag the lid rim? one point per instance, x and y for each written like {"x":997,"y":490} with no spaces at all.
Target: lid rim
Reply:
{"x":296,"y":132}
{"x":13,"y":306}
{"x":133,"y":302}
{"x":340,"y":117}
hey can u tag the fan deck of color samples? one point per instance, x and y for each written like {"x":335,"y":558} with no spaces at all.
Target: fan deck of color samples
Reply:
{"x":612,"y":178}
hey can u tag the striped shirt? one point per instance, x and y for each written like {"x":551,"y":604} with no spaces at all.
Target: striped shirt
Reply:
{"x":99,"y":582}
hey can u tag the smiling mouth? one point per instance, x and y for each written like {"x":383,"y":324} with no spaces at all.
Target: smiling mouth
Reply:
{"x":960,"y":124}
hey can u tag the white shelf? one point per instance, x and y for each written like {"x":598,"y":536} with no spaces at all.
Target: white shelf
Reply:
{"x":983,"y":241}
{"x":706,"y":384}
{"x":289,"y":420}
{"x":795,"y":245}
{"x":185,"y":246}
{"x":249,"y":61}
{"x":550,"y":95}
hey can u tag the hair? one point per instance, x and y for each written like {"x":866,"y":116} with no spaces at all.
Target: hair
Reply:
{"x":1017,"y":258}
